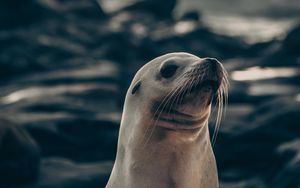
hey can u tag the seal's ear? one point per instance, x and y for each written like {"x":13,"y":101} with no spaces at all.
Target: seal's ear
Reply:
{"x":136,"y":87}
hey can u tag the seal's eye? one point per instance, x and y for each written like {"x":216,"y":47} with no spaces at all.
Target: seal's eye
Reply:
{"x":136,"y":87}
{"x":168,"y":71}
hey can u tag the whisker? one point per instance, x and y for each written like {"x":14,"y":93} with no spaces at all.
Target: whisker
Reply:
{"x":222,"y":101}
{"x":159,"y":110}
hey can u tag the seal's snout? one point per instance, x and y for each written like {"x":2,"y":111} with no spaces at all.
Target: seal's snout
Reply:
{"x":213,"y":63}
{"x":214,"y":69}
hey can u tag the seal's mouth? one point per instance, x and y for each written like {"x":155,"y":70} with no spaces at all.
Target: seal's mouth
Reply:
{"x":174,"y":119}
{"x":186,"y":113}
{"x":206,"y":85}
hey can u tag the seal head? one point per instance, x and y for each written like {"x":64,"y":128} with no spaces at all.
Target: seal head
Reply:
{"x":164,"y":138}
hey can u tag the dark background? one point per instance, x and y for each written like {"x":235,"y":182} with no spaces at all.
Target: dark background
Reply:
{"x":65,"y":66}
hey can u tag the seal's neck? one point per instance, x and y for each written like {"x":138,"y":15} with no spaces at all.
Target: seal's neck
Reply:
{"x":168,"y":160}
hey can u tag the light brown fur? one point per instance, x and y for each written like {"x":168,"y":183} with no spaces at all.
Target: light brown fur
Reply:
{"x":151,"y":155}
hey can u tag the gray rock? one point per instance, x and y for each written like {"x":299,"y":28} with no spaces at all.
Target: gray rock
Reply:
{"x":19,"y":155}
{"x":62,"y":173}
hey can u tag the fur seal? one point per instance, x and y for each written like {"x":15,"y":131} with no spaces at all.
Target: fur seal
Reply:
{"x":164,"y":139}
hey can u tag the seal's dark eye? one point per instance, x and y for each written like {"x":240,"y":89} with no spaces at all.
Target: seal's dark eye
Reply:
{"x":136,"y":87}
{"x":168,"y":71}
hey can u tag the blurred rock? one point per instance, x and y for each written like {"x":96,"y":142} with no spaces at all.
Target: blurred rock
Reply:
{"x":191,"y":15}
{"x":19,"y":156}
{"x":76,"y":139}
{"x":84,"y":9}
{"x":202,"y":42}
{"x":292,"y":42}
{"x":63,"y":173}
{"x":157,"y":8}
{"x":288,"y":54}
{"x":259,"y":139}
{"x":290,"y":165}
{"x":14,"y":13}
